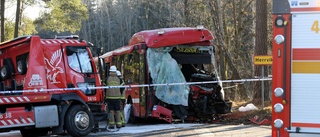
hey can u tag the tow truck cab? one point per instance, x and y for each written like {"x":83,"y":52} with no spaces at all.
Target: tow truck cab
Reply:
{"x":45,"y":84}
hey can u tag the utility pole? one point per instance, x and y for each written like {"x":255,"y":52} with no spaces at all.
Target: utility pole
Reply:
{"x":16,"y":27}
{"x":2,"y":21}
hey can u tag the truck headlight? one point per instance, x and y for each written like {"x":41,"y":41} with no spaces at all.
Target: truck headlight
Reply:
{"x":278,"y":123}
{"x":278,"y":108}
{"x":279,"y":22}
{"x":85,"y":87}
{"x":278,"y":92}
{"x":279,"y":39}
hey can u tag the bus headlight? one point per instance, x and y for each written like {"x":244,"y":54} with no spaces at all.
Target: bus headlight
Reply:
{"x":278,"y":108}
{"x":278,"y":123}
{"x":279,"y":39}
{"x":278,"y":92}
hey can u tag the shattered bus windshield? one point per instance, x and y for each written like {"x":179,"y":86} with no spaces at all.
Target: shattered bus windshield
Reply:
{"x":78,"y":59}
{"x":179,"y":64}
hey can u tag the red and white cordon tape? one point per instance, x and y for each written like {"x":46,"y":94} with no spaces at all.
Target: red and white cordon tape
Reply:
{"x":132,"y":86}
{"x":16,"y":122}
{"x":14,"y":99}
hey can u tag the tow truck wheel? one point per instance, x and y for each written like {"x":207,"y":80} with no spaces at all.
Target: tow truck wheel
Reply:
{"x":5,"y":72}
{"x":33,"y":132}
{"x":79,"y":121}
{"x":22,"y":67}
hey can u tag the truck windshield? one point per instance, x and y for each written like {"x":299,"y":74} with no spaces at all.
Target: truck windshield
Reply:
{"x":78,"y":59}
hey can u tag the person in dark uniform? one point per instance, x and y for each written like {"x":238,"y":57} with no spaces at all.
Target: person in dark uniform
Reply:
{"x":113,"y":98}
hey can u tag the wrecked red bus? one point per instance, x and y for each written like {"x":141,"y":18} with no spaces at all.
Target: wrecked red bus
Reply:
{"x":169,"y":55}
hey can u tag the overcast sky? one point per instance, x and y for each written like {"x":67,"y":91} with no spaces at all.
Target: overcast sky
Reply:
{"x":31,"y":11}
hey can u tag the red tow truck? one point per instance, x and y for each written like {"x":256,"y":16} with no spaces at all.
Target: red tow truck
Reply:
{"x":46,"y":85}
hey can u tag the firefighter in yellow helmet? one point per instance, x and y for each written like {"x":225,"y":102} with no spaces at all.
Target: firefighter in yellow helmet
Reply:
{"x":113,"y":98}
{"x":122,"y":100}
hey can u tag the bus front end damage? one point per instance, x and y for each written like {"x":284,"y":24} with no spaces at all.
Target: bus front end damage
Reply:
{"x":202,"y":95}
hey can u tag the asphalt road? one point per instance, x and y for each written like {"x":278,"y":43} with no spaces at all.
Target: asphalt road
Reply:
{"x":206,"y":130}
{"x":179,"y":130}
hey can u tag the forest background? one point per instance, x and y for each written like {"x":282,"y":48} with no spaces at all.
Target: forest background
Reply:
{"x":241,"y":28}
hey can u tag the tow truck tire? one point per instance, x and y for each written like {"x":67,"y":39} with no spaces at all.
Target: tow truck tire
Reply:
{"x":79,"y":121}
{"x":33,"y":132}
{"x":22,"y":67}
{"x":5,"y":72}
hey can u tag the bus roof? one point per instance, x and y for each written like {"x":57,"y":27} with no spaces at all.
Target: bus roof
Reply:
{"x":162,"y":38}
{"x":119,"y":51}
{"x":171,"y":36}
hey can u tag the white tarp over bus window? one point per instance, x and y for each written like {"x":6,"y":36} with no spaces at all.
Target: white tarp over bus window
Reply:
{"x":164,"y":69}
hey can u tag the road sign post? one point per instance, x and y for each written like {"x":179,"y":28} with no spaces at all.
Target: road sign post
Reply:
{"x":262,"y":60}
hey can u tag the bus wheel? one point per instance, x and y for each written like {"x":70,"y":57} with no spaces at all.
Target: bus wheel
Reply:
{"x":132,"y":118}
{"x":180,"y":111}
{"x":79,"y":121}
{"x":31,"y":132}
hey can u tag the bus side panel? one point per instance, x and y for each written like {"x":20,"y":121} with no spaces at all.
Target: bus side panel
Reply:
{"x":133,"y":92}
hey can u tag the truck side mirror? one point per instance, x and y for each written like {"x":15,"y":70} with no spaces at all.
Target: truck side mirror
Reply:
{"x":99,"y":50}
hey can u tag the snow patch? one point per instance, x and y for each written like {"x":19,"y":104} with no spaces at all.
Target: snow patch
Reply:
{"x":248,"y":107}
